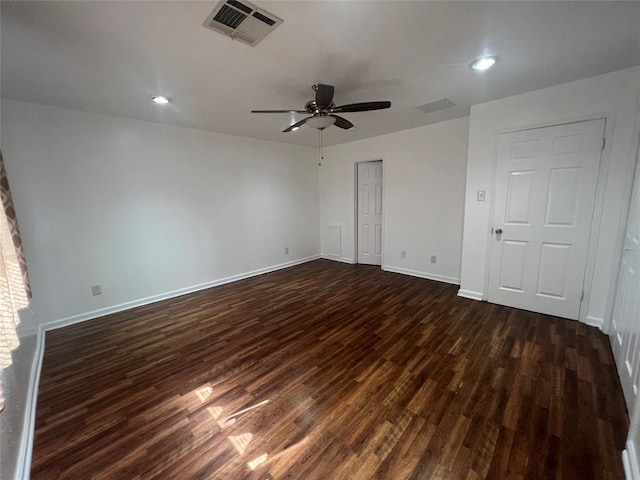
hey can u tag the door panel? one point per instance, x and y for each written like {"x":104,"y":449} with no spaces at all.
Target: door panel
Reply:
{"x":562,"y":196}
{"x":553,"y":274}
{"x":366,"y":235}
{"x":545,"y":194}
{"x":370,"y":213}
{"x":378,"y":250}
{"x":512,"y":265}
{"x":519,"y":197}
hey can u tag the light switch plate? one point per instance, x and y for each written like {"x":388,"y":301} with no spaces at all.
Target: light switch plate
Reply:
{"x":480,"y":195}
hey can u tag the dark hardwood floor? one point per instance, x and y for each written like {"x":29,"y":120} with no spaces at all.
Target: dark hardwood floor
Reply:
{"x":328,"y":371}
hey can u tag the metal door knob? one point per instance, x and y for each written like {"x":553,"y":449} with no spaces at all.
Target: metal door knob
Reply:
{"x":498,"y":231}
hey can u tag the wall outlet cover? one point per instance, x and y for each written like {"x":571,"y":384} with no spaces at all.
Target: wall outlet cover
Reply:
{"x":403,"y":254}
{"x":96,"y":290}
{"x":434,"y":258}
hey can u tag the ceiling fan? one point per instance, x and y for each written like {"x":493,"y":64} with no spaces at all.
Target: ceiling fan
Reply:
{"x":323,"y":110}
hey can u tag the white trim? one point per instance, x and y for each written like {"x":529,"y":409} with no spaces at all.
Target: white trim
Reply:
{"x":630,"y":462}
{"x":337,"y":259}
{"x":82,"y":317}
{"x":415,"y":273}
{"x":470,"y":294}
{"x":25,"y":448}
{"x":594,"y":321}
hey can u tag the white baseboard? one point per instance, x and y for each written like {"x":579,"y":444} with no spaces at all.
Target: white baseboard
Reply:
{"x":594,"y":321}
{"x":64,"y":322}
{"x":335,"y":258}
{"x":415,"y":273}
{"x":470,"y":294}
{"x":25,"y":449}
{"x":630,"y":462}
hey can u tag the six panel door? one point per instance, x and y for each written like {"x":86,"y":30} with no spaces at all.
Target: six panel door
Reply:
{"x":545,"y":195}
{"x":370,"y":213}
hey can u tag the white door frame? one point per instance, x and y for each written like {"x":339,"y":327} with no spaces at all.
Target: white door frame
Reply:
{"x":603,"y":171}
{"x":355,"y":208}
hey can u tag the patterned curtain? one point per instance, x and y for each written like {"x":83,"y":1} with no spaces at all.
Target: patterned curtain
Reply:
{"x":14,"y":282}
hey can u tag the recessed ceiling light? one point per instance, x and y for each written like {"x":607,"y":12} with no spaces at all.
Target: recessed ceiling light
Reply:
{"x":162,"y":100}
{"x":483,"y":63}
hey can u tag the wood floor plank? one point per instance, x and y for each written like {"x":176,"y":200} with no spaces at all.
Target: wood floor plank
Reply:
{"x":327,"y":371}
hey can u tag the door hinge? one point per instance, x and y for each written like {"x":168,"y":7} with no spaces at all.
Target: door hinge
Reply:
{"x":582,"y":296}
{"x":604,"y":141}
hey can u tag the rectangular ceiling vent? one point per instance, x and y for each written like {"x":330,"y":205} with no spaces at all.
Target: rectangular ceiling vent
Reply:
{"x":242,"y":21}
{"x":435,"y":105}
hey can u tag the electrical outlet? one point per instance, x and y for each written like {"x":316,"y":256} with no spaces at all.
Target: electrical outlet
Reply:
{"x":434,"y":259}
{"x":96,"y":290}
{"x":480,"y":195}
{"x":403,"y":254}
{"x":286,"y":250}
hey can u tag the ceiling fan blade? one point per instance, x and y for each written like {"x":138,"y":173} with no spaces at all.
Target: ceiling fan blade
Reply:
{"x":361,"y":107}
{"x":324,"y":94}
{"x":279,"y":111}
{"x":296,"y":125}
{"x":342,"y":122}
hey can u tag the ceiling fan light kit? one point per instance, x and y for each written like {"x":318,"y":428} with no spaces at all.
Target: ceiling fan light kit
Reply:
{"x":321,"y":121}
{"x":323,"y":110}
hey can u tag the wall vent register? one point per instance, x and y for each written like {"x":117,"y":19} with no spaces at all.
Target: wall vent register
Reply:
{"x":242,"y":21}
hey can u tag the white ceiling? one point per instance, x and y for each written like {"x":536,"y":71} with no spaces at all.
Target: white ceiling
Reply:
{"x":110,"y":57}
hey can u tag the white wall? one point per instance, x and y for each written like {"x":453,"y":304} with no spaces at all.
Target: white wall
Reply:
{"x":613,"y":94}
{"x":144,"y":209}
{"x":424,"y":175}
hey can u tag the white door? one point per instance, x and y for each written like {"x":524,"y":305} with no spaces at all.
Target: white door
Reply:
{"x":626,"y":310}
{"x":545,"y":195}
{"x":370,"y":213}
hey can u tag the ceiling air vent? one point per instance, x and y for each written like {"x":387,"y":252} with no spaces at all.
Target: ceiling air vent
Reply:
{"x":242,"y":21}
{"x":435,"y":105}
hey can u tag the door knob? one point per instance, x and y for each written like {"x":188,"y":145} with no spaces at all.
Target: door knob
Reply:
{"x":498,"y":231}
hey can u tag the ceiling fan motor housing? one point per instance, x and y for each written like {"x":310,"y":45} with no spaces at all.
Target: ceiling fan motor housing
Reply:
{"x":312,"y":107}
